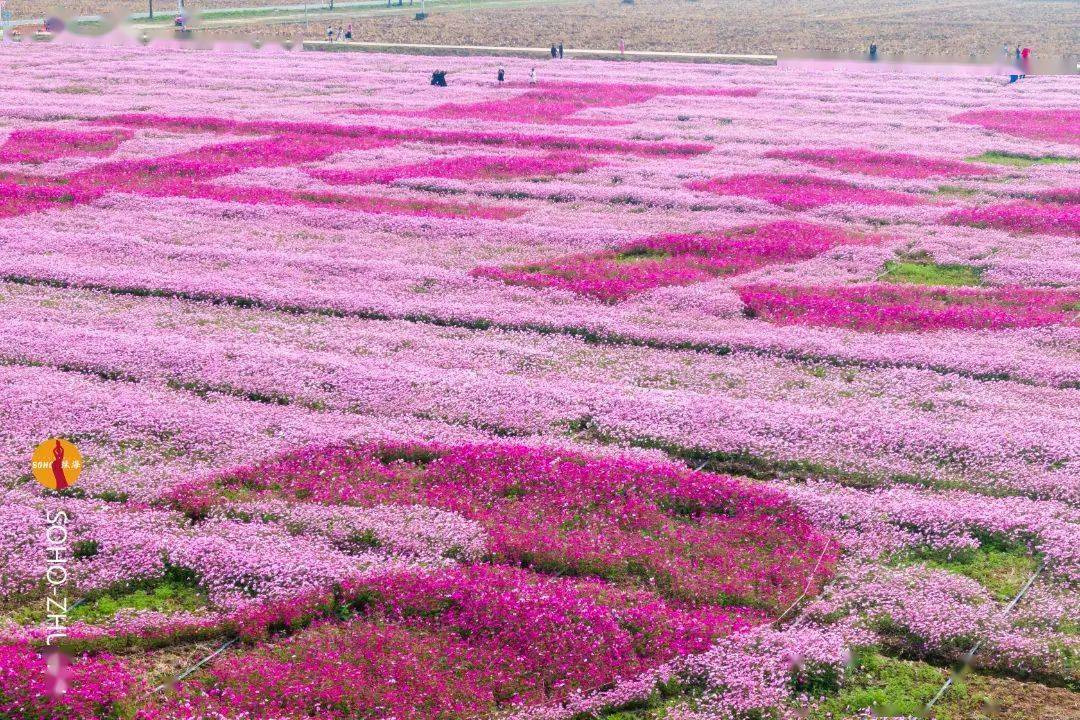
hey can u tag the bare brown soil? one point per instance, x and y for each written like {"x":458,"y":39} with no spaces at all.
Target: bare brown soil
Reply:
{"x":1013,"y":700}
{"x":921,"y":27}
{"x":958,"y":28}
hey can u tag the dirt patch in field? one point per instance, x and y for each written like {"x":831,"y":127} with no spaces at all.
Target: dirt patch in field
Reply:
{"x":1014,"y":700}
{"x":958,"y":28}
{"x":915,"y":27}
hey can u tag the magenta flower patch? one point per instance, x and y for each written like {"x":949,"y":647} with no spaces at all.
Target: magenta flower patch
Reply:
{"x":38,"y":146}
{"x":21,"y":194}
{"x":475,"y":167}
{"x":1055,"y":125}
{"x":191,"y":174}
{"x":614,"y":275}
{"x":867,"y":162}
{"x":1064,"y":196}
{"x":517,"y":140}
{"x":87,"y":688}
{"x":613,"y":519}
{"x":802,"y":192}
{"x":882,"y":307}
{"x":555,"y":103}
{"x":1060,"y":215}
{"x":460,"y":643}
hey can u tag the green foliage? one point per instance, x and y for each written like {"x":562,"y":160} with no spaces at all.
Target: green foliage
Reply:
{"x":955,"y":191}
{"x":364,"y":540}
{"x":84,"y":548}
{"x":889,"y":687}
{"x":1020,"y":159}
{"x":999,"y":566}
{"x":636,"y":255}
{"x":170,"y":594}
{"x":112,"y":496}
{"x":931,"y":273}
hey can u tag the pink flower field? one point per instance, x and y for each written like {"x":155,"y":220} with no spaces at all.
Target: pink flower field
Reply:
{"x":647,"y":391}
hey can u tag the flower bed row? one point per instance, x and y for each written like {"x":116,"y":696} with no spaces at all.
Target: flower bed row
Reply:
{"x":556,"y":103}
{"x":635,"y":267}
{"x":891,"y":308}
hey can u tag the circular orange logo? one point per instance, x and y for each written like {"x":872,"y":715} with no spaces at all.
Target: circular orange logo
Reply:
{"x":56,"y":464}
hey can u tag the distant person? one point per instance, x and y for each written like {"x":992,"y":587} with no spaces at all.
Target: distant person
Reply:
{"x":438,"y":78}
{"x":532,"y":76}
{"x":554,"y":52}
{"x":873,"y":51}
{"x":560,"y":51}
{"x":348,"y":31}
{"x":622,"y":46}
{"x":329,"y":33}
{"x":1017,"y":53}
{"x":501,"y":75}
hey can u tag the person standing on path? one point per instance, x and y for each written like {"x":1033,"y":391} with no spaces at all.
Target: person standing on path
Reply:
{"x":560,"y":51}
{"x":532,"y":76}
{"x":622,"y":46}
{"x":501,"y":75}
{"x":554,"y":51}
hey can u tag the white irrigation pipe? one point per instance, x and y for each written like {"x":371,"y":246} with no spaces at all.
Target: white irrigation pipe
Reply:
{"x":228,"y":643}
{"x":809,"y":582}
{"x":975,"y":648}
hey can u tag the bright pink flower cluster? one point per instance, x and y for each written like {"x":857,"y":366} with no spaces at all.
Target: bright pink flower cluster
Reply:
{"x":904,"y":166}
{"x":21,"y":194}
{"x":523,"y":141}
{"x":881,"y":307}
{"x":693,"y":536}
{"x":1060,"y":215}
{"x":484,"y":167}
{"x":457,"y":643}
{"x":87,"y":688}
{"x":38,"y":146}
{"x":802,"y":192}
{"x":190,"y":174}
{"x":635,"y":267}
{"x":1056,"y":125}
{"x":555,"y":103}
{"x":338,"y":672}
{"x":1065,"y":196}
